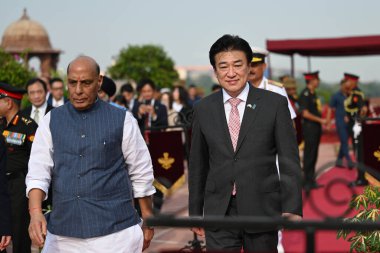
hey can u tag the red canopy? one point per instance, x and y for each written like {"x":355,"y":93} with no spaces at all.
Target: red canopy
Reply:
{"x":345,"y":46}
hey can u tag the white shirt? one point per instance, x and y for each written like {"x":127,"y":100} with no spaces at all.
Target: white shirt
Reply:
{"x":135,"y":151}
{"x":41,"y":111}
{"x":177,"y":107}
{"x":242,"y":96}
{"x":57,"y":103}
{"x":279,"y":90}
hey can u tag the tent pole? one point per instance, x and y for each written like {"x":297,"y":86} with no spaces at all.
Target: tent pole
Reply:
{"x":308,"y":64}
{"x":292,"y":65}
{"x":269,"y":68}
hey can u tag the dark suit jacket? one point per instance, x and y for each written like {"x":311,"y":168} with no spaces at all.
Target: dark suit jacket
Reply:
{"x":5,"y":204}
{"x":162,"y":115}
{"x":28,"y":110}
{"x":266,"y":130}
{"x":50,"y":100}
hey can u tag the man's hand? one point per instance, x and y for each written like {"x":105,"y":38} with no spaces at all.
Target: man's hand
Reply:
{"x":291,"y":217}
{"x":5,"y":240}
{"x":199,"y":231}
{"x":37,"y":228}
{"x":142,"y":110}
{"x":148,"y":236}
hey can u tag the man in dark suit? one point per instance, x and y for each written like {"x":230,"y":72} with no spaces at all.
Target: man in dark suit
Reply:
{"x":236,"y":135}
{"x":149,"y":112}
{"x":36,"y":89}
{"x":57,"y":96}
{"x":5,"y":203}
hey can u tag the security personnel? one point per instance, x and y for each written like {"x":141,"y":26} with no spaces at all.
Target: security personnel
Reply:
{"x":18,"y":131}
{"x":256,"y":76}
{"x":290,"y":85}
{"x":356,"y":109}
{"x":5,"y":202}
{"x":310,"y":107}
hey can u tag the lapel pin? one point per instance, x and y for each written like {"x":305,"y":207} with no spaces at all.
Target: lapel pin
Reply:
{"x":251,"y":106}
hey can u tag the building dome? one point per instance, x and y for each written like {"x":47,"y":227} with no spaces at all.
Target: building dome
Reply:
{"x":26,"y":34}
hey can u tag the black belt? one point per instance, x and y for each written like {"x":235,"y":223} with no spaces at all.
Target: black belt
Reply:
{"x":14,"y":175}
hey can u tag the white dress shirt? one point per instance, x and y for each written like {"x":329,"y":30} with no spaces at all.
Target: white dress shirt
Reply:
{"x":276,"y":89}
{"x":57,"y":103}
{"x":135,"y":151}
{"x":241,"y":107}
{"x":41,"y":112}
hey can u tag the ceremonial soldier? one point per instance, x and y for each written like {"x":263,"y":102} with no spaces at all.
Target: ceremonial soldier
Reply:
{"x":356,"y":109}
{"x":290,"y":85}
{"x":310,"y":107}
{"x":257,"y":78}
{"x":18,"y":131}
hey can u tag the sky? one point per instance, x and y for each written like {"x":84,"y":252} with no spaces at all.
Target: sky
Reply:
{"x":187,"y":29}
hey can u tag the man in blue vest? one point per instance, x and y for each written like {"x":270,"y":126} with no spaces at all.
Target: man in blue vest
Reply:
{"x":97,"y":162}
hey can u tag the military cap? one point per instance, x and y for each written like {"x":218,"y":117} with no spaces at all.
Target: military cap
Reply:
{"x":259,"y":55}
{"x":7,"y":90}
{"x":311,"y":75}
{"x":108,"y":86}
{"x":290,"y":83}
{"x":348,"y":76}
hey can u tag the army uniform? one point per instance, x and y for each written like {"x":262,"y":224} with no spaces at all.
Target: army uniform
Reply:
{"x":311,"y":133}
{"x":353,"y":105}
{"x":18,"y":134}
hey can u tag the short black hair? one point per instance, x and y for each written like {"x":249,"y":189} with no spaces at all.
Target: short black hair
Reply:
{"x":127,"y":88}
{"x":228,"y":43}
{"x":145,"y":81}
{"x":192,"y":86}
{"x":215,"y":87}
{"x":36,"y":80}
{"x":55,"y":79}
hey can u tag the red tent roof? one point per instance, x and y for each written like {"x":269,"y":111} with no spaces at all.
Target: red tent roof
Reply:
{"x":345,"y":46}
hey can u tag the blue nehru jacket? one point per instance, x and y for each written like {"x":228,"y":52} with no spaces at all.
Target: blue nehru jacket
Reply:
{"x":92,"y":192}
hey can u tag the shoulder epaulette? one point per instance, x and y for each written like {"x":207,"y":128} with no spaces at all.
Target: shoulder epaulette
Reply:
{"x":278,"y":84}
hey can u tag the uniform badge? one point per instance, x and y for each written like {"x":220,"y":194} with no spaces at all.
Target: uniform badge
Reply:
{"x":14,"y":138}
{"x":31,"y":138}
{"x":26,"y":121}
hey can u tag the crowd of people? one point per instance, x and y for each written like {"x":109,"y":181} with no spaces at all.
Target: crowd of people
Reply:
{"x":71,"y":153}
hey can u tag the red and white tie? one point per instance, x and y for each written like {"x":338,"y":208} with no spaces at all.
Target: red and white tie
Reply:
{"x":234,"y":121}
{"x":234,"y":126}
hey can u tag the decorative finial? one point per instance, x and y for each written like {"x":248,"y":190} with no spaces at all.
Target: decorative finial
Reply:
{"x":25,"y":15}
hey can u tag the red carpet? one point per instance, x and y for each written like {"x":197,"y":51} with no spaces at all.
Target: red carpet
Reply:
{"x":323,"y":202}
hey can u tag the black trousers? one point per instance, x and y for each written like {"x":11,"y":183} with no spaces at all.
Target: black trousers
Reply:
{"x":233,"y":240}
{"x":358,"y":149}
{"x":312,"y":136}
{"x":20,"y":215}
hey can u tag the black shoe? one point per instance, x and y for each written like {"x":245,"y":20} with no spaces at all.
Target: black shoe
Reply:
{"x":312,"y":186}
{"x":339,"y":164}
{"x":358,"y":183}
{"x":351,"y":165}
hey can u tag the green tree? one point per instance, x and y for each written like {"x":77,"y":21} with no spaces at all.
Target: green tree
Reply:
{"x":146,"y":61}
{"x":12,"y":71}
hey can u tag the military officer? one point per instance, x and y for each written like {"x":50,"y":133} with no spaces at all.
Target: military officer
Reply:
{"x":310,"y":107}
{"x":18,"y":131}
{"x":356,"y":109}
{"x":257,"y":78}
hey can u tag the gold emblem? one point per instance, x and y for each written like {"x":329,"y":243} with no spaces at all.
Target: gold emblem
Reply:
{"x":377,"y":154}
{"x":166,"y":161}
{"x":26,"y":121}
